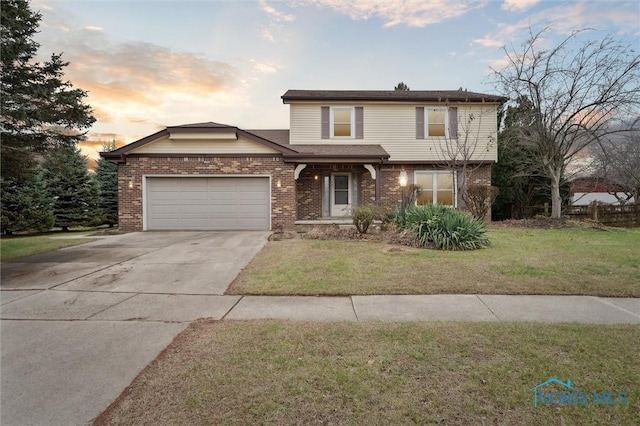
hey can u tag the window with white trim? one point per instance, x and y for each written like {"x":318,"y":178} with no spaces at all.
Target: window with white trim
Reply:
{"x":435,"y":187}
{"x":435,"y":122}
{"x":342,"y":122}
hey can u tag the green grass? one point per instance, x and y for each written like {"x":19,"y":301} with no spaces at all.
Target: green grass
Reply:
{"x":280,"y":373}
{"x":519,"y":261}
{"x":20,"y":246}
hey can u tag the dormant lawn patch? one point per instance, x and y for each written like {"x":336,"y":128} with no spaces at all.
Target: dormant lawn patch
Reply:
{"x":581,"y":261}
{"x":271,"y":372}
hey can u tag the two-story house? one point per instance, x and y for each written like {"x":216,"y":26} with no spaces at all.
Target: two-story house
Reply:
{"x":343,"y":149}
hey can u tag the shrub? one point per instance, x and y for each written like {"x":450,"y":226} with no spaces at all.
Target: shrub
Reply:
{"x":442,"y":227}
{"x":363,"y":217}
{"x":479,"y":199}
{"x":446,"y":228}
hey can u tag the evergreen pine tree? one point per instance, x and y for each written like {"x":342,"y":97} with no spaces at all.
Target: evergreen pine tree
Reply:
{"x":73,"y":190}
{"x":107,"y":179}
{"x":39,"y":108}
{"x":26,"y":205}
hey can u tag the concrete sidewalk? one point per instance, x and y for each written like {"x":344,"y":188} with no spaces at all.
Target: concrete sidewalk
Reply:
{"x":581,"y":309}
{"x":95,"y":306}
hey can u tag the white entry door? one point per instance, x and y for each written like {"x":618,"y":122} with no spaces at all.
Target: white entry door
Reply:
{"x":341,"y":194}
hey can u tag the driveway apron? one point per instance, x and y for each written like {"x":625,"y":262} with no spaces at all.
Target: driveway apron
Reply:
{"x":80,"y":323}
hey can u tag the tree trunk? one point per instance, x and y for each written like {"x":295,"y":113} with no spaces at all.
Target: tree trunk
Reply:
{"x":65,"y":229}
{"x":556,"y":200}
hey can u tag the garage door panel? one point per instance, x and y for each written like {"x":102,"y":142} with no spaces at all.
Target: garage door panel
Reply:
{"x":216,"y":203}
{"x":252,"y":198}
{"x":221,"y":196}
{"x":196,"y":197}
{"x":165,"y":195}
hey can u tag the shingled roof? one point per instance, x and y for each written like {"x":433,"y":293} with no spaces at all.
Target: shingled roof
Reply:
{"x":390,"y":96}
{"x":275,"y":138}
{"x":321,"y":151}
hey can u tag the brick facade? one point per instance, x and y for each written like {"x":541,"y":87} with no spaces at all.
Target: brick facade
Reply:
{"x":283,"y":199}
{"x":290,"y":200}
{"x":309,"y":185}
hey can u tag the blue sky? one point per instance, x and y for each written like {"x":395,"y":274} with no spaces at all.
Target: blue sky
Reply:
{"x":147,"y":64}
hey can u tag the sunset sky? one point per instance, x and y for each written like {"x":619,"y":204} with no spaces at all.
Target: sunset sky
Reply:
{"x":147,"y":64}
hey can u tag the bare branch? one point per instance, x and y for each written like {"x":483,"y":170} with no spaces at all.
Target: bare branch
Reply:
{"x":581,"y":92}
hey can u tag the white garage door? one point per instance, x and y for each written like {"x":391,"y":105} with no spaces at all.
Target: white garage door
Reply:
{"x":214,"y":203}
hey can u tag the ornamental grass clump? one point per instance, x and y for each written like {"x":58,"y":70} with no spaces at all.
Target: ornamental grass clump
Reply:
{"x":445,"y":228}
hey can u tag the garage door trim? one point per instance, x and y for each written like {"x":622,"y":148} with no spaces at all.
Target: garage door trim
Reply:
{"x":144,"y":189}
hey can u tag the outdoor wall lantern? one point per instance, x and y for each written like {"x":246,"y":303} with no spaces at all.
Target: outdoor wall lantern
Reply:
{"x":403,"y":183}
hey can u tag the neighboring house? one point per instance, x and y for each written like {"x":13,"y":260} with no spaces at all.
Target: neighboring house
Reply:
{"x":343,"y":149}
{"x":586,"y":190}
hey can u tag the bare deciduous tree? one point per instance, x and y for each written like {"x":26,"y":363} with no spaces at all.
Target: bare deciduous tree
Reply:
{"x":470,"y":150}
{"x":618,"y":162}
{"x":581,"y":92}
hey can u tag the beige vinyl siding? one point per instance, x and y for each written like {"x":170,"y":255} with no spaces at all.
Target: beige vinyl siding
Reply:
{"x":393,"y":126}
{"x":200,"y":146}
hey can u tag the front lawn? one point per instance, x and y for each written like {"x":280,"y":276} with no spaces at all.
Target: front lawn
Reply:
{"x":20,"y":246}
{"x":281,"y":373}
{"x":579,"y":261}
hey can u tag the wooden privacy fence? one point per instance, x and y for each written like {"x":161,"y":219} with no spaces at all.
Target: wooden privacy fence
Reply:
{"x":607,"y":214}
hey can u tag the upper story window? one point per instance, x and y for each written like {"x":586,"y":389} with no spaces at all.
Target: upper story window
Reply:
{"x":342,"y":122}
{"x":436,"y":122}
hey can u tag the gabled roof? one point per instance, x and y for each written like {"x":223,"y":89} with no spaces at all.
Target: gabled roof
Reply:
{"x":390,"y":96}
{"x":118,"y":154}
{"x":274,"y":138}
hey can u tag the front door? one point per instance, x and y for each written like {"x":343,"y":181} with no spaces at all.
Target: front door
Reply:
{"x":340,"y":194}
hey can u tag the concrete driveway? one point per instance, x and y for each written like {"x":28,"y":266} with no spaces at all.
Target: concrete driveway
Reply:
{"x":80,"y":323}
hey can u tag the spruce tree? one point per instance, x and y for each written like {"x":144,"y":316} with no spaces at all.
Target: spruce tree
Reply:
{"x":107,"y":179}
{"x":73,"y":190}
{"x":26,"y":205}
{"x":40,"y":110}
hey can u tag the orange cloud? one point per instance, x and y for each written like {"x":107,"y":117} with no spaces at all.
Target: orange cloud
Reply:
{"x":141,"y":72}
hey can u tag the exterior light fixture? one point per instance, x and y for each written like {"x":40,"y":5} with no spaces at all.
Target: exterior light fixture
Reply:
{"x":403,"y":178}
{"x":278,"y":183}
{"x":130,"y":184}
